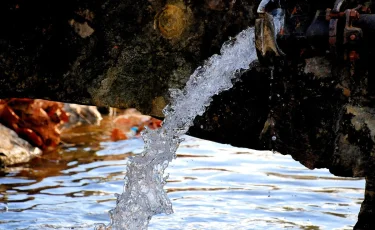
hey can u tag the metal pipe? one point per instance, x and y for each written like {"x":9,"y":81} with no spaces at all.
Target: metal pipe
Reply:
{"x":366,"y":22}
{"x":317,"y":33}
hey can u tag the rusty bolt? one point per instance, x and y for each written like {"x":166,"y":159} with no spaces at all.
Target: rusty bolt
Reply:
{"x":353,"y":56}
{"x":354,"y":15}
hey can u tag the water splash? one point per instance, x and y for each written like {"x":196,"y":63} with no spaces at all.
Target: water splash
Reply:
{"x":143,"y":194}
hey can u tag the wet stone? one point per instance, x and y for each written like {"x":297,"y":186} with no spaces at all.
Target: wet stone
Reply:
{"x":13,"y":149}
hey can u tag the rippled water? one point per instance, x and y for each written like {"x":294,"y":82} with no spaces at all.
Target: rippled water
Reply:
{"x":211,"y":186}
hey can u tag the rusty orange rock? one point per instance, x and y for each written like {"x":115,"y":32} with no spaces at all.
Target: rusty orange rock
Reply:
{"x":36,"y":121}
{"x":123,"y":124}
{"x":118,"y":135}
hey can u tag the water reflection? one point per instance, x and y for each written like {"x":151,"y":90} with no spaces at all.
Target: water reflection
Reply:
{"x":212,"y":186}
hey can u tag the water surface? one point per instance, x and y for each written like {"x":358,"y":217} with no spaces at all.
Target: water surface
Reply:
{"x":211,"y":185}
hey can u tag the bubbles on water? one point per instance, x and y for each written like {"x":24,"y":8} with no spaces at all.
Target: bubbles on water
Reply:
{"x":143,"y":194}
{"x":175,"y":93}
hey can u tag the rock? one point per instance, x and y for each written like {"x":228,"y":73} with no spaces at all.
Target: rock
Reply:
{"x":319,"y":66}
{"x":81,"y":115}
{"x":130,"y":124}
{"x":13,"y":149}
{"x":354,"y":144}
{"x":82,"y":29}
{"x":117,"y":53}
{"x":35,"y":120}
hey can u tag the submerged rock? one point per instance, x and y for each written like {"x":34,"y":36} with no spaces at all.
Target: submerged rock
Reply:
{"x":13,"y":149}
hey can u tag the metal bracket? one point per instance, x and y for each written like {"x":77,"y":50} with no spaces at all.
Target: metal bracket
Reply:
{"x":266,"y":33}
{"x":352,"y":36}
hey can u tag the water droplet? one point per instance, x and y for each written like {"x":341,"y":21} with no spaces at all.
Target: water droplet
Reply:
{"x":274,"y":138}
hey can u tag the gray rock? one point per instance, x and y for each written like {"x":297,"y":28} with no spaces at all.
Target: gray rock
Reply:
{"x":319,"y":66}
{"x":13,"y":149}
{"x":81,"y":115}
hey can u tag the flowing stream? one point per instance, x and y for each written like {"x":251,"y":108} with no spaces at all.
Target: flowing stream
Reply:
{"x":212,"y":186}
{"x":144,"y":195}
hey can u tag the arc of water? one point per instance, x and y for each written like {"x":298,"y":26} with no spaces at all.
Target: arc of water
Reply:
{"x":143,"y":194}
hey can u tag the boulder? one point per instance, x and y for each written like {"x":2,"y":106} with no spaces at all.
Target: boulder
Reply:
{"x":118,"y":53}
